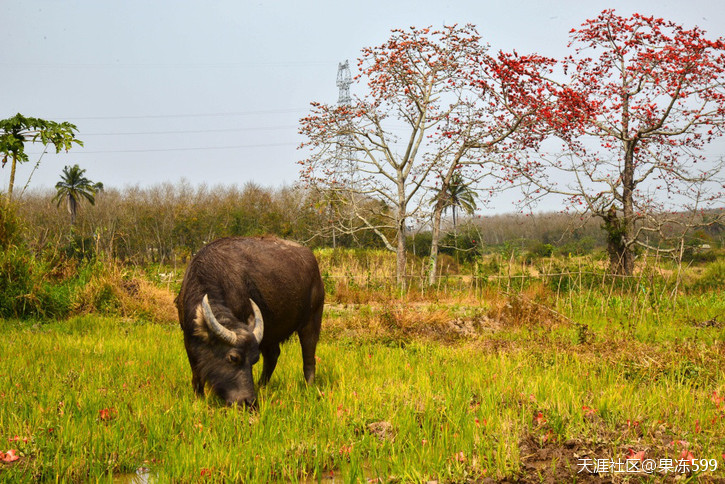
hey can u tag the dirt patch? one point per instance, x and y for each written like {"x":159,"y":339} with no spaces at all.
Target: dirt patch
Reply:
{"x":710,"y":323}
{"x":544,"y":459}
{"x":383,"y":430}
{"x":627,"y":454}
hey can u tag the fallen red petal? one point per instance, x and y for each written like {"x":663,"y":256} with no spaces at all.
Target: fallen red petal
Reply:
{"x":9,"y":456}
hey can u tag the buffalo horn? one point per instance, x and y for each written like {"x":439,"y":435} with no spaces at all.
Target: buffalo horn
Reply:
{"x":258,"y":323}
{"x":220,"y":331}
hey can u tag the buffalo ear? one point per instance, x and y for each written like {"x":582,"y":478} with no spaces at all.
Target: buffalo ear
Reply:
{"x":201,"y":330}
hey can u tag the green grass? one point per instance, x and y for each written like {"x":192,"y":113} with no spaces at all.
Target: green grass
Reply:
{"x":97,"y":398}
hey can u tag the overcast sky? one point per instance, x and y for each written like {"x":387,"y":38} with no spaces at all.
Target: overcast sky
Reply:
{"x":212,"y":91}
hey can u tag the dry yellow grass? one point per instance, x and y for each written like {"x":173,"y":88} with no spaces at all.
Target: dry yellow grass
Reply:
{"x":113,"y":290}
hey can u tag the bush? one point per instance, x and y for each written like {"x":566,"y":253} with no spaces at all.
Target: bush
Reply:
{"x":31,"y":287}
{"x":419,"y":244}
{"x":79,"y":248}
{"x":713,"y":277}
{"x":10,"y":227}
{"x":540,"y":250}
{"x":464,"y":246}
{"x":582,"y":246}
{"x":24,"y":290}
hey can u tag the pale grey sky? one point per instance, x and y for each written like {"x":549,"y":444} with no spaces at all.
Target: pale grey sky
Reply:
{"x":212,"y":91}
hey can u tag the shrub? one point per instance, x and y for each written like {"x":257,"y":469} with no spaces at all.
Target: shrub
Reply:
{"x":713,"y":277}
{"x":10,"y":227}
{"x":540,"y":250}
{"x":24,"y":290}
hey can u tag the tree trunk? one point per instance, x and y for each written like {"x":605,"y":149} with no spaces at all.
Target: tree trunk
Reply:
{"x":72,"y":209}
{"x":615,"y":241}
{"x":435,"y":241}
{"x":627,"y":225}
{"x":401,"y":219}
{"x":621,"y":232}
{"x":400,"y":252}
{"x":12,"y":177}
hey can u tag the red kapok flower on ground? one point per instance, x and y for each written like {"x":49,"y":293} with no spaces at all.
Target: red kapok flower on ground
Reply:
{"x":459,"y":457}
{"x":632,"y":455}
{"x":9,"y":456}
{"x":539,"y":419}
{"x":106,"y":414}
{"x":687,"y":456}
{"x":589,"y":411}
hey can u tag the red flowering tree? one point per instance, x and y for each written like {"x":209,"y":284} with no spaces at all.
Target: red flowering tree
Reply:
{"x":646,"y":98}
{"x":437,"y":106}
{"x":500,"y":118}
{"x":378,"y":151}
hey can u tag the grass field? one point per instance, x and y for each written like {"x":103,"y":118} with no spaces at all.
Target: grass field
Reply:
{"x":473,"y":389}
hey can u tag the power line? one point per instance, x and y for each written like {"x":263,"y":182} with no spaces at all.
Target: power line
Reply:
{"x":156,"y":65}
{"x":223,"y":130}
{"x":198,"y":115}
{"x":150,"y":150}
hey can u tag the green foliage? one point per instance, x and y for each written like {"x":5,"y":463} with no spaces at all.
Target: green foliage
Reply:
{"x":419,"y":243}
{"x":10,"y":225}
{"x":79,"y":248}
{"x":73,"y":187}
{"x":539,"y":250}
{"x":578,"y":246}
{"x":19,"y":129}
{"x":458,"y":194}
{"x":464,"y":245}
{"x":25,"y":292}
{"x":713,"y":277}
{"x":57,"y":286}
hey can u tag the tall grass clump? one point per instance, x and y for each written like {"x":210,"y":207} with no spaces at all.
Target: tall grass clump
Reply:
{"x":24,"y":289}
{"x":713,"y":277}
{"x":26,"y":292}
{"x":54,"y":284}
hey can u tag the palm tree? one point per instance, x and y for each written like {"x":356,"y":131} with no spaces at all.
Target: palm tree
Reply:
{"x":461,"y":195}
{"x":73,"y":187}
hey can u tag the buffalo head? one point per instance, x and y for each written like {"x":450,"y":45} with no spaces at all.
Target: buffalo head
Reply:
{"x":230,"y":354}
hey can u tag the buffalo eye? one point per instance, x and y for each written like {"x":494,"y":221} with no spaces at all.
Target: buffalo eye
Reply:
{"x":234,"y":358}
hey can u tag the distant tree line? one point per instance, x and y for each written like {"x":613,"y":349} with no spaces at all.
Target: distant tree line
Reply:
{"x":168,"y":223}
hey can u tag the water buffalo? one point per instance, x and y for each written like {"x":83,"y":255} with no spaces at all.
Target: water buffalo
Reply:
{"x":242,"y":296}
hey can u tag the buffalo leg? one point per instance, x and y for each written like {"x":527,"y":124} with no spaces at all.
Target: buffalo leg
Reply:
{"x":270,"y":355}
{"x":197,"y":384}
{"x":309,"y":335}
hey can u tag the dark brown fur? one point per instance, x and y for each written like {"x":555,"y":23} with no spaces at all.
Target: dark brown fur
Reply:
{"x":282,"y":278}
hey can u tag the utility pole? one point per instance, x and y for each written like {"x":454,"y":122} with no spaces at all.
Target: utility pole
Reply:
{"x":343,"y":83}
{"x":344,"y":140}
